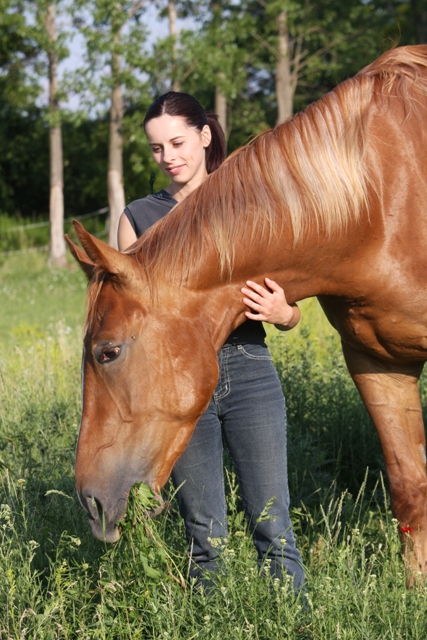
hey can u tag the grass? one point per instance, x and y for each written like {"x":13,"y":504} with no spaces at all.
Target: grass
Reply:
{"x":36,"y":301}
{"x":59,"y":582}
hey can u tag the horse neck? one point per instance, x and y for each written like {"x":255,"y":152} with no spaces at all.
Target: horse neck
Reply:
{"x":312,"y":268}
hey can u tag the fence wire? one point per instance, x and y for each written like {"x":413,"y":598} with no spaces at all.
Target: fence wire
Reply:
{"x":36,"y":225}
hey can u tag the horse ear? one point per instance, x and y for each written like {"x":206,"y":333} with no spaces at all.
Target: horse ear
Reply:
{"x":96,"y":253}
{"x":82,"y":258}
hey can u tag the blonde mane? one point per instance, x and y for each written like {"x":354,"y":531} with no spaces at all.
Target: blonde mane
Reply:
{"x":308,"y":173}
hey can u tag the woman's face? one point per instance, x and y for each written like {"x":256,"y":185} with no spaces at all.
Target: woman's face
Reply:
{"x":178,"y":149}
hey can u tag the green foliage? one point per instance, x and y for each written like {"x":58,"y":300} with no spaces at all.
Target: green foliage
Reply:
{"x":58,"y":47}
{"x":24,"y":162}
{"x":18,"y":48}
{"x":85,"y":165}
{"x":114,"y":34}
{"x":232,"y":45}
{"x":24,"y":177}
{"x":138,"y":163}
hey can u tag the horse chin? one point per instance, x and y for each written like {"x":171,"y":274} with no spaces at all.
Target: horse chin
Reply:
{"x":110,"y":533}
{"x":155,"y":511}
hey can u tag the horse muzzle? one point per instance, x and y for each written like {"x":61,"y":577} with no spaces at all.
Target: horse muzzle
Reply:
{"x":105,"y":522}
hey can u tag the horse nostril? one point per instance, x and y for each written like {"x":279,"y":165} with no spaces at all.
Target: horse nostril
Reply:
{"x":93,"y":507}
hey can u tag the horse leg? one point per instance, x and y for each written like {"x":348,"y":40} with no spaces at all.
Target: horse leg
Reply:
{"x":392,"y":399}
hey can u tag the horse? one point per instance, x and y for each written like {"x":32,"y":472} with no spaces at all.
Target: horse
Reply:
{"x":331,"y":203}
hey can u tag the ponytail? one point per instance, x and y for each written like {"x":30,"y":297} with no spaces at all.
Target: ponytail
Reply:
{"x":217,"y":150}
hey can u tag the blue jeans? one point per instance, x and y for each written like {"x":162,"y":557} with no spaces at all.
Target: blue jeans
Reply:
{"x":246,"y":414}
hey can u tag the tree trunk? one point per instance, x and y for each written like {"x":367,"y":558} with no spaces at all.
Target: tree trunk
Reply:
{"x":57,"y":255}
{"x":220,"y":97}
{"x":221,"y":108}
{"x":284,"y":86}
{"x":173,"y":35}
{"x":116,"y":195}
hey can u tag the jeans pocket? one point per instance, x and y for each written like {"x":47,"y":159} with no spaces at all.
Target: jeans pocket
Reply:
{"x":255,"y":351}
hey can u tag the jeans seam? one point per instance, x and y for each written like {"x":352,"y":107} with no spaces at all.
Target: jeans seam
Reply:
{"x":242,"y":349}
{"x":225,"y":524}
{"x":226,"y":377}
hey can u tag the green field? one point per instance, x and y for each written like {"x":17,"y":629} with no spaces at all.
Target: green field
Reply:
{"x":57,"y":581}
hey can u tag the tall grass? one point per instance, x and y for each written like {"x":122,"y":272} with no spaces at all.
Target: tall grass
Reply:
{"x":19,"y":235}
{"x":59,"y":582}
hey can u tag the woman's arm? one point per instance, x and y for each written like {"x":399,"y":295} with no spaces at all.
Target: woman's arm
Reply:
{"x":125,"y":234}
{"x":270,"y":305}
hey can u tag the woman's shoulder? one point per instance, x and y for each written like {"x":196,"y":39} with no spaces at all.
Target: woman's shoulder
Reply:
{"x":144,"y":212}
{"x":159,"y":199}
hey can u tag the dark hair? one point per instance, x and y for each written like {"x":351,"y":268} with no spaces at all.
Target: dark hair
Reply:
{"x":176,"y":103}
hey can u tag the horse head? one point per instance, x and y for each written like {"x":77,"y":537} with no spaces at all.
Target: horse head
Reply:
{"x":142,"y":394}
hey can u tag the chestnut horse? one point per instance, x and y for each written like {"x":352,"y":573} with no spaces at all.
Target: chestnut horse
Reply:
{"x":332,"y":203}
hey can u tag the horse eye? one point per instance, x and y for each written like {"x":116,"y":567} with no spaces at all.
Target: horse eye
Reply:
{"x":108,"y":354}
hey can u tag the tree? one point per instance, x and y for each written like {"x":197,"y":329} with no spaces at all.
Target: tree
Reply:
{"x":233,"y":63}
{"x":212,"y":61}
{"x":302,"y":44}
{"x":54,"y":49}
{"x":35,"y":25}
{"x":405,"y":21}
{"x":18,"y":50}
{"x":114,"y":36}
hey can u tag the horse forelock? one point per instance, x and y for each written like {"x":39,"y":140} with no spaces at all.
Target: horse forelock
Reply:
{"x":99,"y":278}
{"x":307,"y":173}
{"x":92,"y":293}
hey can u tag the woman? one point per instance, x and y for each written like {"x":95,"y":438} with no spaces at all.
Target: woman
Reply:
{"x":247,"y":411}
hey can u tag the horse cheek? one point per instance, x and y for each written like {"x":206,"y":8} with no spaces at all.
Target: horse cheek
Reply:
{"x":184,"y":400}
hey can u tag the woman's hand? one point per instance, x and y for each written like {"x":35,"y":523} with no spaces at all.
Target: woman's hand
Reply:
{"x":268,"y":304}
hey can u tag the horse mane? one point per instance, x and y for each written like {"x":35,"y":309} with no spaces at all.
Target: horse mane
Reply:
{"x":309,"y":172}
